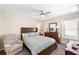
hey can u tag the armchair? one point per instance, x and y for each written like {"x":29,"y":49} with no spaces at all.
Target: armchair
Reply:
{"x":70,"y":50}
{"x":12,"y":44}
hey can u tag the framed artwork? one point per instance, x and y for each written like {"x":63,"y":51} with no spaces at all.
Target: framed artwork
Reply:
{"x":53,"y":27}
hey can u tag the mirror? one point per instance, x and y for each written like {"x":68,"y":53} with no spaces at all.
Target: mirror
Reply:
{"x":53,"y":27}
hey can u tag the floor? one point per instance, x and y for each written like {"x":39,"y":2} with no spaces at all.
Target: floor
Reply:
{"x":59,"y":51}
{"x":65,"y":41}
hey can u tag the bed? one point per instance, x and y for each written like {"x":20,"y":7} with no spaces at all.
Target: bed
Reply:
{"x":37,"y":44}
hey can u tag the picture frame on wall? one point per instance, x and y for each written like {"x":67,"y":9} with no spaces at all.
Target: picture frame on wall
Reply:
{"x":53,"y":27}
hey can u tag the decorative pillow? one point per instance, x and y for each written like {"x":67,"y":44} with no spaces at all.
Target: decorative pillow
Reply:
{"x":33,"y":33}
{"x":25,"y":34}
{"x":29,"y":34}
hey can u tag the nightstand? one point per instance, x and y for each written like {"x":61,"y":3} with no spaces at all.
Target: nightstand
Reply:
{"x":52,"y":35}
{"x":41,"y":34}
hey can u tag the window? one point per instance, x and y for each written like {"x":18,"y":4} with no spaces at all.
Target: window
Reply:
{"x":70,"y":29}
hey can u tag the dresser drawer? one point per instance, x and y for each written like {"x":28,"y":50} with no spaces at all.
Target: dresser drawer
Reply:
{"x":52,"y":35}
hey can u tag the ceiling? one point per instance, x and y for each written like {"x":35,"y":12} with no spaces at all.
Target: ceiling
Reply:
{"x":34,"y":9}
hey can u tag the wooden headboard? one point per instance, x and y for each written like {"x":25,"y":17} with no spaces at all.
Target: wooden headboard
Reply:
{"x":28,"y":29}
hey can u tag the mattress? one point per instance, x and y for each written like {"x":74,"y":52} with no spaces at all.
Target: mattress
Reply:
{"x":37,"y":43}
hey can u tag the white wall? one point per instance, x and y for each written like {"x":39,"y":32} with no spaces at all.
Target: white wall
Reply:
{"x":0,"y":23}
{"x":11,"y":23}
{"x":0,"y":32}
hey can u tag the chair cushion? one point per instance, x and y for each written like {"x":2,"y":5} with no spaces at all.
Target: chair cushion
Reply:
{"x":69,"y":46}
{"x":15,"y":47}
{"x":11,"y":43}
{"x":10,"y":38}
{"x":71,"y":42}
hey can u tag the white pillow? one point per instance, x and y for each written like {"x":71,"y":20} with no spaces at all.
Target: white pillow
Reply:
{"x":25,"y":34}
{"x":33,"y":33}
{"x":29,"y":34}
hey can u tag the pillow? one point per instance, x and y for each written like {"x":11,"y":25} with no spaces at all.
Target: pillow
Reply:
{"x":25,"y":34}
{"x":33,"y":33}
{"x":29,"y":34}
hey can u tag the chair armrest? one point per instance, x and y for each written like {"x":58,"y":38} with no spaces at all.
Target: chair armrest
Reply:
{"x":68,"y":45}
{"x":19,"y":41}
{"x":7,"y":48}
{"x":71,"y":50}
{"x":8,"y":45}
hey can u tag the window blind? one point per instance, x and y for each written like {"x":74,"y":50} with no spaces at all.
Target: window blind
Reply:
{"x":70,"y":29}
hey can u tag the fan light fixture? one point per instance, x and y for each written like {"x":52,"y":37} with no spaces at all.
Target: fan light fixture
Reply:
{"x":42,"y":15}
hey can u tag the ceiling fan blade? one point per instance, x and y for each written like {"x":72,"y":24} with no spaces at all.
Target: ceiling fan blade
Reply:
{"x":44,"y":13}
{"x":41,"y":12}
{"x":47,"y":13}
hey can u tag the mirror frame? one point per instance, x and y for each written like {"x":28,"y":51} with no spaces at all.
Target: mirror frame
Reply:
{"x":51,"y":29}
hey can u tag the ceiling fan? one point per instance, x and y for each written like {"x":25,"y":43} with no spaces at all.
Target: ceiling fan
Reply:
{"x":42,"y":13}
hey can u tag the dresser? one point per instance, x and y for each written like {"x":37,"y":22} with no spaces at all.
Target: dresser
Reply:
{"x":52,"y":35}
